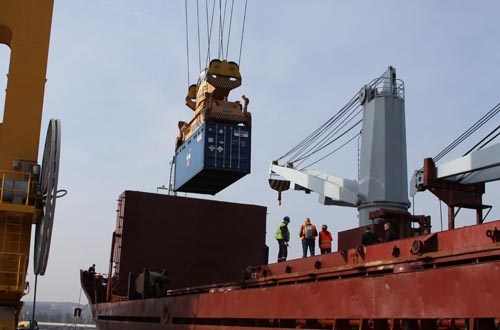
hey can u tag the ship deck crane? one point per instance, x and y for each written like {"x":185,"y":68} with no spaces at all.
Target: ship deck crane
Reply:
{"x":460,"y":183}
{"x":382,"y":173}
{"x":28,"y":191}
{"x":381,"y":192}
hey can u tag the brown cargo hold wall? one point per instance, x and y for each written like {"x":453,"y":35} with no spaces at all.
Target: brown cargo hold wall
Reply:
{"x":159,"y":232}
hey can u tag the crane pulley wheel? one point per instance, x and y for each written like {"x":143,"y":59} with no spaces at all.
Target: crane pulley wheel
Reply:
{"x":48,"y":184}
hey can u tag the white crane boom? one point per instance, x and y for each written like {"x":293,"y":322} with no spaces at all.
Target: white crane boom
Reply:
{"x":479,"y":166}
{"x":332,"y":190}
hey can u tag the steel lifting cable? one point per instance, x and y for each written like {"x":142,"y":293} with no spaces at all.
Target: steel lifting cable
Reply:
{"x":223,"y":12}
{"x":300,"y":149}
{"x":478,"y":146}
{"x":297,"y":150}
{"x":491,"y":139}
{"x":308,"y":146}
{"x":331,"y":137}
{"x":243,"y":31}
{"x":220,"y":50}
{"x":208,"y":34}
{"x":348,"y":117}
{"x":335,"y":150}
{"x":187,"y":41}
{"x":223,"y":28}
{"x":468,"y":132}
{"x":199,"y":38}
{"x":353,"y":101}
{"x":209,"y":30}
{"x":229,"y":29}
{"x":346,"y":114}
{"x":484,"y":141}
{"x":330,"y":142}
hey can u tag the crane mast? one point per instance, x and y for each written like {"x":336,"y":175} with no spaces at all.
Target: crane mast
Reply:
{"x":382,"y":173}
{"x":27,"y":191}
{"x":383,"y":181}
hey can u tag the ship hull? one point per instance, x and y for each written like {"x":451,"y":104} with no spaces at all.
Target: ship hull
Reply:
{"x":457,"y":293}
{"x":441,"y":280}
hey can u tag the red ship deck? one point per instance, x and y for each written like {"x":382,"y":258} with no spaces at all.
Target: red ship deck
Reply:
{"x":443,"y":280}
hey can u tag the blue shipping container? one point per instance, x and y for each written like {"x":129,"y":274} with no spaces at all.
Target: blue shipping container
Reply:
{"x":213,"y":158}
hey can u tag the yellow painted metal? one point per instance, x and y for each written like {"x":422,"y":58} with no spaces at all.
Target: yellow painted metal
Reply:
{"x":224,"y":68}
{"x":209,"y":99}
{"x":25,"y":28}
{"x":191,"y":97}
{"x":7,"y":325}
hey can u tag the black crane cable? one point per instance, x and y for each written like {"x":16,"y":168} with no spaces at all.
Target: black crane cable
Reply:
{"x":199,"y":38}
{"x":333,"y":136}
{"x":221,"y":30}
{"x":335,"y":150}
{"x":187,"y":41}
{"x":229,"y":30}
{"x":209,"y":25}
{"x":243,"y":31}
{"x":306,"y":149}
{"x":222,"y":27}
{"x":209,"y":31}
{"x":301,"y":147}
{"x":331,"y":131}
{"x":468,"y":133}
{"x":480,"y":144}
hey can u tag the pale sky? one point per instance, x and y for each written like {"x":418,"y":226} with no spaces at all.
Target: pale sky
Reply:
{"x":117,"y":78}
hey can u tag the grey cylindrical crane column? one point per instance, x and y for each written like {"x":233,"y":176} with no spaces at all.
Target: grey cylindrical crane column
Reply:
{"x":383,"y":181}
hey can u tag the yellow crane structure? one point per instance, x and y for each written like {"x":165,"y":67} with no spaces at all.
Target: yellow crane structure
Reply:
{"x":27,"y":190}
{"x":208,"y":99}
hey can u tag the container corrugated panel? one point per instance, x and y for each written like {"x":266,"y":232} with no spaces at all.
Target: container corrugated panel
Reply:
{"x":213,"y":158}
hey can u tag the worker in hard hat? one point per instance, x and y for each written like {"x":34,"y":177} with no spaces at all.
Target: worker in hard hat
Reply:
{"x":283,"y":236}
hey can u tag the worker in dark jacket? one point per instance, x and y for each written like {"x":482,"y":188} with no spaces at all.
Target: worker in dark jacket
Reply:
{"x":283,"y":236}
{"x":390,"y":234}
{"x":369,"y":238}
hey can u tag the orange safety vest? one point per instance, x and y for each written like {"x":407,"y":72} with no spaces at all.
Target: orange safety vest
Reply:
{"x":325,"y":240}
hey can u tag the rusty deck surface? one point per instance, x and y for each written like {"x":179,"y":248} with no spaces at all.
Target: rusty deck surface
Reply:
{"x":442,"y":280}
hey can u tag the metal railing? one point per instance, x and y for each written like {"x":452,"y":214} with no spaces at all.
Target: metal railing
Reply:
{"x":12,"y":271}
{"x":384,"y":86}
